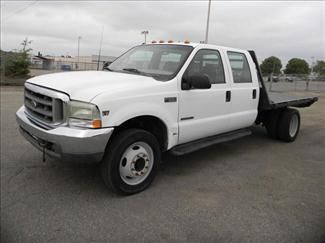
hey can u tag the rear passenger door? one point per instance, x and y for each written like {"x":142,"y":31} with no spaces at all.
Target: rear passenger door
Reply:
{"x":244,"y":90}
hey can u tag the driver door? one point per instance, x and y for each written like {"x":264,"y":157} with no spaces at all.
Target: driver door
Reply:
{"x":204,"y":112}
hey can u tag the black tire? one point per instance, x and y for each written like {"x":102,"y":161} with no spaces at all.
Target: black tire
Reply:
{"x":271,"y":124}
{"x":120,"y":143}
{"x":289,"y":125}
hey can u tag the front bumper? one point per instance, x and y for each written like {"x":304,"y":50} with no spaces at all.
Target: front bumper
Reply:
{"x":65,"y":142}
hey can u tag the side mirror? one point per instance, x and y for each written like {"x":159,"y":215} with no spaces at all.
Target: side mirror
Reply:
{"x":105,"y":65}
{"x":196,"y":81}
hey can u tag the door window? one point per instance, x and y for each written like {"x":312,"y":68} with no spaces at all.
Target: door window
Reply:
{"x":239,"y":67}
{"x":207,"y":62}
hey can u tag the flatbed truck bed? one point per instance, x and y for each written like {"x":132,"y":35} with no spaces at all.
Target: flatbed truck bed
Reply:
{"x":280,"y":100}
{"x":273,"y":101}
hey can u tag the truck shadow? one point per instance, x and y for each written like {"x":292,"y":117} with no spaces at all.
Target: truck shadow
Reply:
{"x":81,"y":176}
{"x":215,"y":155}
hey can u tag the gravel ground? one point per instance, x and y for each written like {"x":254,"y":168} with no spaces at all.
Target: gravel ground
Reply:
{"x":250,"y":190}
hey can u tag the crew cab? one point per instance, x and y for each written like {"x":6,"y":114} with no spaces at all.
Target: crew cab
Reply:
{"x":176,"y":97}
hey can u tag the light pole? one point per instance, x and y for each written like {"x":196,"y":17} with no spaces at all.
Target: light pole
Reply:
{"x":79,"y":38}
{"x":145,"y":32}
{"x":207,"y":28}
{"x":100,"y":48}
{"x":312,"y":64}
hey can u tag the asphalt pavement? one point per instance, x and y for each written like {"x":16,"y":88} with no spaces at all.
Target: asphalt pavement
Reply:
{"x":250,"y":190}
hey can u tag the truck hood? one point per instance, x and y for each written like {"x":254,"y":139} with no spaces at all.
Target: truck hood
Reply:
{"x":85,"y":85}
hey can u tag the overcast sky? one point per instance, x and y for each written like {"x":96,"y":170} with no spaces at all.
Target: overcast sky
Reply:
{"x":284,"y":29}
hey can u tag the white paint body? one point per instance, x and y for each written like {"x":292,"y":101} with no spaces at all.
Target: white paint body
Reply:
{"x":126,"y":96}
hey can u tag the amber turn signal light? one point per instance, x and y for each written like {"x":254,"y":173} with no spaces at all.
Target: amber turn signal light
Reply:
{"x":97,"y":123}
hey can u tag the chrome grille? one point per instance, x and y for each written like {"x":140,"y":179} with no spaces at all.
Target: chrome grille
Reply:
{"x":43,"y":107}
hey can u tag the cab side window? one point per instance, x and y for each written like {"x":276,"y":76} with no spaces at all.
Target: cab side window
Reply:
{"x":240,"y":68}
{"x":207,"y":62}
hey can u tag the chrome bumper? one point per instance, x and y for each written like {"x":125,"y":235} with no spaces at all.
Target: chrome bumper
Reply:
{"x":65,"y":142}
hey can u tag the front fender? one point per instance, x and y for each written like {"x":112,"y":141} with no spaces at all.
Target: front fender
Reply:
{"x":122,"y":111}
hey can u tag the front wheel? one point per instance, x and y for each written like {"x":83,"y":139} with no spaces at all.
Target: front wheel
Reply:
{"x":130,"y":163}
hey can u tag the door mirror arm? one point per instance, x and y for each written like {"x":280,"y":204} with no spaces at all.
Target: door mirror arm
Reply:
{"x":196,"y":81}
{"x":186,"y":85}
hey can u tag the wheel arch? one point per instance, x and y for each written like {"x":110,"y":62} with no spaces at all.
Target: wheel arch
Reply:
{"x":150,"y":123}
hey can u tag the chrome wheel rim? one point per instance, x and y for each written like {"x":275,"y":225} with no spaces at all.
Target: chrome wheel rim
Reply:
{"x":293,"y":125}
{"x":136,"y":163}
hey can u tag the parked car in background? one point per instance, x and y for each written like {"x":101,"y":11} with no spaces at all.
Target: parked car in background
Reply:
{"x":274,"y":79}
{"x":289,"y":78}
{"x":66,"y":67}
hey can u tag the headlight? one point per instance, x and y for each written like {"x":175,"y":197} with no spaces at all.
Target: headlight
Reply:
{"x":81,"y":114}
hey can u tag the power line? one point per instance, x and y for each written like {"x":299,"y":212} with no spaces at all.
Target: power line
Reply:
{"x":21,"y":10}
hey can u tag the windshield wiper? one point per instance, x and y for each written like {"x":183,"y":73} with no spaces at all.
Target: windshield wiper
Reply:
{"x":132,"y":70}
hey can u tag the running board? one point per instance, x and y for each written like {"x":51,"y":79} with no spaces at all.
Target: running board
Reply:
{"x":205,"y":142}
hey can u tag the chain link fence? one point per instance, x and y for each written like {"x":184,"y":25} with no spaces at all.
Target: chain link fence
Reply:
{"x":295,"y":82}
{"x":70,"y":66}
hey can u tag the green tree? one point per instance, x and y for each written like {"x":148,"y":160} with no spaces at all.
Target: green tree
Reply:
{"x":319,"y":67}
{"x":297,"y":66}
{"x":271,"y":65}
{"x":17,"y":65}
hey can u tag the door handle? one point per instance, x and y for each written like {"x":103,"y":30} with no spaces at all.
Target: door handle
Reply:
{"x":228,"y":96}
{"x":254,"y":94}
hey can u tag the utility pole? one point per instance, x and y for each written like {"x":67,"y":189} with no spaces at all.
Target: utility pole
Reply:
{"x":79,"y":38}
{"x":25,"y":43}
{"x":311,"y":75}
{"x":312,"y":64}
{"x":145,"y":32}
{"x":208,"y":21}
{"x":100,"y":48}
{"x":271,"y":77}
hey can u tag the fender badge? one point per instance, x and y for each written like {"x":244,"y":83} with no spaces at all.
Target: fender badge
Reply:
{"x":105,"y":113}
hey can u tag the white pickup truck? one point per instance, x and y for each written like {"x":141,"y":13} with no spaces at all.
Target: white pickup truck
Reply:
{"x":176,"y":97}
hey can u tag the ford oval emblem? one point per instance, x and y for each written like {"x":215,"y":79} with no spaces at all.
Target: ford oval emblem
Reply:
{"x":34,"y":103}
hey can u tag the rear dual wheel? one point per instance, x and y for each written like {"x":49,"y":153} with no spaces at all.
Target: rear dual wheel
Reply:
{"x":289,"y":125}
{"x":272,"y":122}
{"x":283,"y":125}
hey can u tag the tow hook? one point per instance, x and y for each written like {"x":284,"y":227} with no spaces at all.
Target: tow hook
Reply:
{"x":44,"y":146}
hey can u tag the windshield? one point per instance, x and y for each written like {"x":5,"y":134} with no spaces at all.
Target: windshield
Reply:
{"x":161,"y":62}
